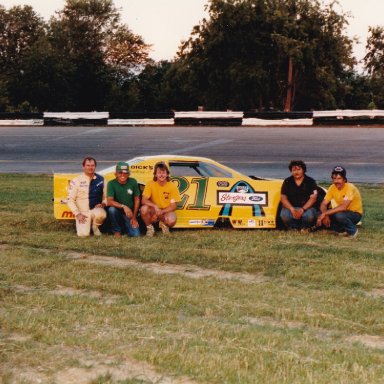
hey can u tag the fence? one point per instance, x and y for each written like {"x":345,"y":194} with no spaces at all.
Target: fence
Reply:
{"x":197,"y":118}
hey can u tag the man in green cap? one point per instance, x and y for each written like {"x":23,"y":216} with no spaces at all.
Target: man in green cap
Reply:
{"x":123,"y":200}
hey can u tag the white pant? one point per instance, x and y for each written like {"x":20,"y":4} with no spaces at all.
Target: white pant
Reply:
{"x":95,"y":216}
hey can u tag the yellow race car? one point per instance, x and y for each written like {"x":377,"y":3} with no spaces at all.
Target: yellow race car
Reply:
{"x":212,"y":195}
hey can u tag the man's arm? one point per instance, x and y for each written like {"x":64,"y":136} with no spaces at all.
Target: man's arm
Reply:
{"x":325,"y":212}
{"x":103,"y":203}
{"x":113,"y":203}
{"x":171,"y":208}
{"x":72,"y":204}
{"x":136,"y":206}
{"x":287,"y":204}
{"x":340,"y":208}
{"x":311,"y":201}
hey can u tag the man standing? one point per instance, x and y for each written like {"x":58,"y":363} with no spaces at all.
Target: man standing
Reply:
{"x":349,"y":208}
{"x":123,"y":199}
{"x":159,"y":201}
{"x":85,"y":199}
{"x":298,"y":197}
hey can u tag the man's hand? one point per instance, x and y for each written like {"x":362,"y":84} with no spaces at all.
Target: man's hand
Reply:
{"x":297,"y":213}
{"x":323,"y":219}
{"x":81,"y":218}
{"x":158,"y":211}
{"x":127,"y":211}
{"x":134,"y":222}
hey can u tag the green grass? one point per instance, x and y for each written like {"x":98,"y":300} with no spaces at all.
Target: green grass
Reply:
{"x":315,"y":316}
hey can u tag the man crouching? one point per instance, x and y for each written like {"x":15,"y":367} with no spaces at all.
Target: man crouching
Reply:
{"x":159,"y":201}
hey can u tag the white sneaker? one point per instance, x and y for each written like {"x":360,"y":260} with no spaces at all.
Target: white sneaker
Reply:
{"x":164,"y":228}
{"x":150,"y":231}
{"x":96,"y":230}
{"x":354,"y":235}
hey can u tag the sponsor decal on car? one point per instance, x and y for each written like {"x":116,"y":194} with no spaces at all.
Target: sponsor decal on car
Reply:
{"x":203,"y":222}
{"x":238,"y":222}
{"x":242,"y":188}
{"x":241,"y":198}
{"x":242,"y":194}
{"x":222,"y":184}
{"x":251,"y":223}
{"x":67,"y":215}
{"x":267,"y":223}
{"x":141,"y":168}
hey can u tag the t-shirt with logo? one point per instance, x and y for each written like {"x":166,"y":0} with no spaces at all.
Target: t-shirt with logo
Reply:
{"x":123,"y":193}
{"x":348,"y":192}
{"x":162,"y":195}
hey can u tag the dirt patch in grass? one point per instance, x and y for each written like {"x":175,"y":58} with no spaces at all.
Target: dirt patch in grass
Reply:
{"x":91,"y":367}
{"x":68,"y":291}
{"x":169,"y":269}
{"x":379,"y":292}
{"x":130,"y":369}
{"x":368,"y":341}
{"x":187,"y":270}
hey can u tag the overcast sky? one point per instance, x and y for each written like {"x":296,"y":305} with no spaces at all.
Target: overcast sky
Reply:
{"x":164,"y":23}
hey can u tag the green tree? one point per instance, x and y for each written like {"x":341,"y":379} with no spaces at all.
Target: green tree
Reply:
{"x":374,"y":64}
{"x":100,"y":48}
{"x":240,"y":57}
{"x":20,"y":29}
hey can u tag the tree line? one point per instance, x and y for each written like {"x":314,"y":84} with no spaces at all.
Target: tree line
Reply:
{"x":246,"y":55}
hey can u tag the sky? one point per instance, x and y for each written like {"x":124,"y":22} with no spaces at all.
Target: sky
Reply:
{"x":165,"y":23}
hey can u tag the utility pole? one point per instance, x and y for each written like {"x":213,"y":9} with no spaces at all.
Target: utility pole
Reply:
{"x":289,"y":98}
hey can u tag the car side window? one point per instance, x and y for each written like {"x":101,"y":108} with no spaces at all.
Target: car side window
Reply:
{"x":184,"y":169}
{"x":197,"y":168}
{"x":211,"y":170}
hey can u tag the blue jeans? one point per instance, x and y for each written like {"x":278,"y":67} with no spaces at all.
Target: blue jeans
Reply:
{"x":120,"y":221}
{"x":308,"y":219}
{"x":345,"y":221}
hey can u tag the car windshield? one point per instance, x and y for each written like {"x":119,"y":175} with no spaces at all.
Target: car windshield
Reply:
{"x":197,"y":168}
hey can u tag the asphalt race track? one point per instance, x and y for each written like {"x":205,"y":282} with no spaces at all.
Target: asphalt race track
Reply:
{"x":264,"y":152}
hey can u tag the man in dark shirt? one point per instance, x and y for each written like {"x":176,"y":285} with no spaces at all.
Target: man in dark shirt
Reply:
{"x":298,"y":198}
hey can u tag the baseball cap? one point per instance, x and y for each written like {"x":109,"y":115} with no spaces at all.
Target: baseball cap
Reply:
{"x":339,"y":170}
{"x":122,"y":166}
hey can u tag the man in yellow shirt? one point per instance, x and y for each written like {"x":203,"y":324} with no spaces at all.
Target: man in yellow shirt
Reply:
{"x":159,"y":201}
{"x":349,"y":208}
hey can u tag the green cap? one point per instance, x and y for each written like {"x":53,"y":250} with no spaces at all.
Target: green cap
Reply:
{"x":122,"y":166}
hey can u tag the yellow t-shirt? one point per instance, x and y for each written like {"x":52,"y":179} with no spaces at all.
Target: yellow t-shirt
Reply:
{"x":348,"y":192}
{"x":162,"y":195}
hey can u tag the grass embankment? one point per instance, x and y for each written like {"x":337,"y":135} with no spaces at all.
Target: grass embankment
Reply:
{"x":278,"y":307}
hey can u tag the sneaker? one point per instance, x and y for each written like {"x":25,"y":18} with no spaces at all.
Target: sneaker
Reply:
{"x":96,"y":230}
{"x":150,"y":231}
{"x":354,"y":235}
{"x":164,"y":228}
{"x":344,"y":234}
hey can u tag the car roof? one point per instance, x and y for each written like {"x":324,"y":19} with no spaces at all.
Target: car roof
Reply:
{"x":165,"y":157}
